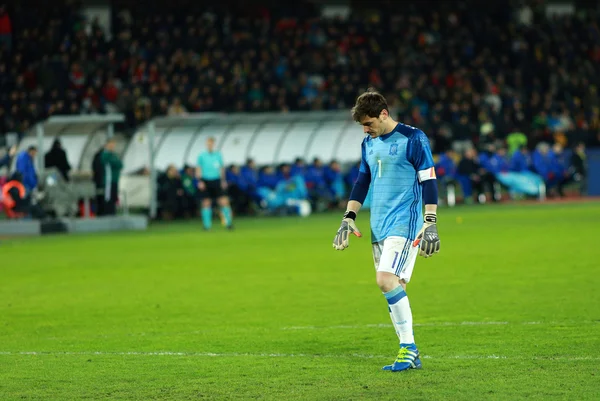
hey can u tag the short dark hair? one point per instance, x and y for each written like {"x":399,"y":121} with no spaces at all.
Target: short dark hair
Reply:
{"x":369,"y":104}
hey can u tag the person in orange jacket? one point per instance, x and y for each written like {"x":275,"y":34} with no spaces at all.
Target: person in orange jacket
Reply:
{"x":16,"y":201}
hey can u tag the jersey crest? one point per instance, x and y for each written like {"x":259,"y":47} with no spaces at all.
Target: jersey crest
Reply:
{"x":394,"y":149}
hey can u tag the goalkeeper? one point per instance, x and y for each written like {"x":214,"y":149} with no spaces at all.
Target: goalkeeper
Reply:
{"x":397,"y":167}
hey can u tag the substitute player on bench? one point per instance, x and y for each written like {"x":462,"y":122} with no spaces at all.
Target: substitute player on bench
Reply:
{"x":397,"y":166}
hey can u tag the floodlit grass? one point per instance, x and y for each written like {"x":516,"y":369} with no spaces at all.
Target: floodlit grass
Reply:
{"x":510,"y":309}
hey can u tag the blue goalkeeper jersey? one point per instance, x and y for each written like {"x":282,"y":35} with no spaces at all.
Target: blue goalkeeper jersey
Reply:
{"x":397,"y":163}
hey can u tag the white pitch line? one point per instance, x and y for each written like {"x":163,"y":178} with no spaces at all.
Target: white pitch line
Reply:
{"x":433,"y":324}
{"x":282,"y":355}
{"x":387,"y":325}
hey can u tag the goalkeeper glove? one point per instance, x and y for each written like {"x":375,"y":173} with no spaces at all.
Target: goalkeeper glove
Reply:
{"x":428,"y":236}
{"x":348,"y":226}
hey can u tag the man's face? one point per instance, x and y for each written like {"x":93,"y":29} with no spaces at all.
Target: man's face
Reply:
{"x":210,"y":145}
{"x":111,"y":146}
{"x":374,"y":126}
{"x":32,"y":153}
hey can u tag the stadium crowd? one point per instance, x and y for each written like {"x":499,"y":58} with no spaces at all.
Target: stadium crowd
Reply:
{"x":497,"y":77}
{"x":460,"y":72}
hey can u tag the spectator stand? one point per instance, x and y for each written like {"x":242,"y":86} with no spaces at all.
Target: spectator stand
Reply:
{"x":81,"y":136}
{"x":269,"y":138}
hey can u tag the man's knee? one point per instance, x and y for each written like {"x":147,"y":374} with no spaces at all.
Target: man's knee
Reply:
{"x":206,"y":202}
{"x":388,"y":281}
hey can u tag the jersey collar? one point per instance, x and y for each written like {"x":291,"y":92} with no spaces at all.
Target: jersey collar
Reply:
{"x":386,"y":136}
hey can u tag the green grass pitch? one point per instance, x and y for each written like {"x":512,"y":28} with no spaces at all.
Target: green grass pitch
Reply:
{"x":510,"y":309}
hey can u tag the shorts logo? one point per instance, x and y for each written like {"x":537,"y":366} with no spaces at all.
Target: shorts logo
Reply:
{"x":393,"y":149}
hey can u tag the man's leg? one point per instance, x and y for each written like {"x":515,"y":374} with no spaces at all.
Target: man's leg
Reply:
{"x":110,"y":208}
{"x":100,"y":205}
{"x":377,"y":250}
{"x":395,"y":268}
{"x":207,"y":213}
{"x":226,"y":210}
{"x":490,"y":181}
{"x":111,"y":202}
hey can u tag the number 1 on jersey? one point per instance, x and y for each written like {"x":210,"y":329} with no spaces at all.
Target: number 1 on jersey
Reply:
{"x":379,"y":169}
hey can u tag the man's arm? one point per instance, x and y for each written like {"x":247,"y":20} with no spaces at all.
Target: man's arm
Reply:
{"x":201,"y":185}
{"x":114,"y":160}
{"x":419,"y":154}
{"x":223,"y":178}
{"x":223,"y":173}
{"x":361,"y":186}
{"x":357,"y":198}
{"x":431,"y":209}
{"x":353,"y":206}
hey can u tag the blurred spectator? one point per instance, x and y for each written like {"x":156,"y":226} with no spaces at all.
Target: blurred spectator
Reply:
{"x":171,"y":195}
{"x":190,"y":189}
{"x":290,"y":195}
{"x":25,"y":165}
{"x":314,"y":178}
{"x":299,"y":167}
{"x":579,"y":166}
{"x":545,"y":164}
{"x":462,"y":134}
{"x":17,"y":202}
{"x":239,"y":190}
{"x":5,"y":30}
{"x":6,"y":159}
{"x":335,"y":184}
{"x":106,"y":167}
{"x":520,"y":160}
{"x":494,"y":160}
{"x":562,"y":167}
{"x":267,"y":178}
{"x":515,"y":141}
{"x":445,"y":171}
{"x":472,"y":176}
{"x":177,"y":109}
{"x":493,"y":163}
{"x":57,"y":157}
{"x":159,"y":62}
{"x":249,"y":172}
{"x":352,"y":174}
